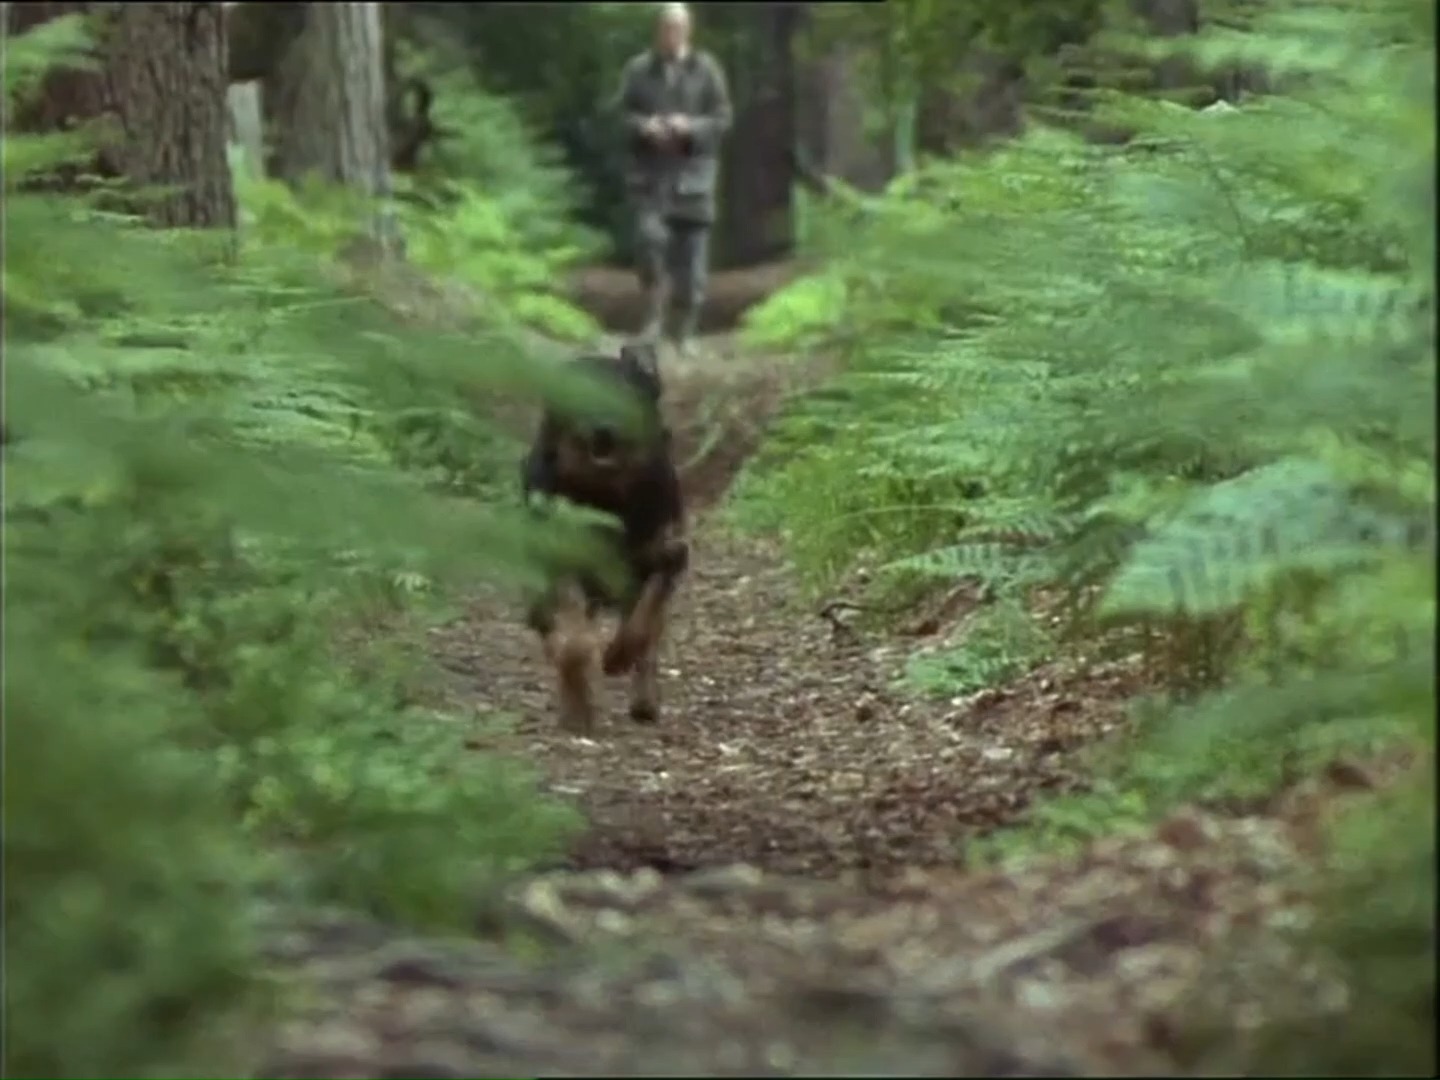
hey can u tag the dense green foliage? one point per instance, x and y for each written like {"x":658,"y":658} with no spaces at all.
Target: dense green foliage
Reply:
{"x":1186,"y":384}
{"x":564,"y":69}
{"x":489,"y":210}
{"x":216,"y":468}
{"x":916,"y":48}
{"x":1190,"y":383}
{"x":1002,"y":641}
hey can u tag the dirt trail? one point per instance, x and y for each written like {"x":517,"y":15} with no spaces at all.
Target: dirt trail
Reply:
{"x":609,"y":294}
{"x":771,"y":882}
{"x":781,"y":746}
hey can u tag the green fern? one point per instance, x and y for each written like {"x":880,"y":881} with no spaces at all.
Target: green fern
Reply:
{"x":1192,"y":388}
{"x":207,"y":483}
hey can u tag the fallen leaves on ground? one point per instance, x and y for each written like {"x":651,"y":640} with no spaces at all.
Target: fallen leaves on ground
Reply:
{"x":1074,"y":967}
{"x":825,"y":923}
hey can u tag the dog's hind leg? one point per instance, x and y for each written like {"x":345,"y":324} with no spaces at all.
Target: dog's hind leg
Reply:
{"x":570,"y":648}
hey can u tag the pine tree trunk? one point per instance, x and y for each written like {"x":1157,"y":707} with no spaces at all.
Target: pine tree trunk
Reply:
{"x":757,"y":220}
{"x":329,"y":100}
{"x":327,"y":105}
{"x":264,"y":35}
{"x":161,"y":86}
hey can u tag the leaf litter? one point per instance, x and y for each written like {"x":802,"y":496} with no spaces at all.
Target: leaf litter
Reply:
{"x":773,"y":879}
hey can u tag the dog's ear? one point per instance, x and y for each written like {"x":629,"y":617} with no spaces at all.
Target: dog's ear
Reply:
{"x":643,"y":357}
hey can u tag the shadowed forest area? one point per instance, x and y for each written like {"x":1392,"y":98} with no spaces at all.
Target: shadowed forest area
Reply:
{"x":1052,"y":687}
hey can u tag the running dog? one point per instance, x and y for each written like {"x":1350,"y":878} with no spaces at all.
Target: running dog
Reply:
{"x":631,"y":475}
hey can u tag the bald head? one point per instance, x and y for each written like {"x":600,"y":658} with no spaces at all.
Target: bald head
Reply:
{"x":672,"y":29}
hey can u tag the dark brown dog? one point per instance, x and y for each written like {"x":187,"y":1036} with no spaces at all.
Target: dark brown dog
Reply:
{"x":629,"y":475}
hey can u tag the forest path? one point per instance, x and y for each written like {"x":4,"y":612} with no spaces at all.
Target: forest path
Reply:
{"x":782,"y":744}
{"x":771,"y":880}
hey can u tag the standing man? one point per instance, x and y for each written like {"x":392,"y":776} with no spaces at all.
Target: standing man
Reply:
{"x":676,"y":109}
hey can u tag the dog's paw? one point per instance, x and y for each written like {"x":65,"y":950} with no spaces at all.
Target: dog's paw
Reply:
{"x":620,"y":655}
{"x":577,"y":718}
{"x":644,"y":712}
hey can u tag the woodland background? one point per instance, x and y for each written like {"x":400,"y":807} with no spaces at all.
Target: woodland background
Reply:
{"x":1130,"y":308}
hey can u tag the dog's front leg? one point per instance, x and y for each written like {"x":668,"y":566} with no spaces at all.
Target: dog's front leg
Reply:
{"x":661,"y":565}
{"x":639,"y":626}
{"x":637,"y":646}
{"x":645,"y":686}
{"x":570,"y":647}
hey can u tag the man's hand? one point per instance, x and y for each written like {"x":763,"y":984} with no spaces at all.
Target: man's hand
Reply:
{"x":678,"y":124}
{"x":653,"y":128}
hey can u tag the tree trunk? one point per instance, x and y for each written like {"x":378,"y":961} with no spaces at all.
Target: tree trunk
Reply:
{"x":835,"y":139}
{"x":757,"y":211}
{"x":1171,"y":18}
{"x":259,"y":34}
{"x":327,"y":104}
{"x":263,"y":35}
{"x":160,"y":89}
{"x":812,"y":104}
{"x":986,"y":104}
{"x":247,"y":129}
{"x":329,"y":100}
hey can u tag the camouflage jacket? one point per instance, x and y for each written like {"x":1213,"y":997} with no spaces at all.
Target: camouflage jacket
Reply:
{"x":679,"y":182}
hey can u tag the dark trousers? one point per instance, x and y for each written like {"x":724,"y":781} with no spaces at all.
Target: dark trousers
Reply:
{"x":673,"y":263}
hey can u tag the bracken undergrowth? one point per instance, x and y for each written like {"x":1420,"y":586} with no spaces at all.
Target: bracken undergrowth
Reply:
{"x":1186,"y":384}
{"x":218,"y":462}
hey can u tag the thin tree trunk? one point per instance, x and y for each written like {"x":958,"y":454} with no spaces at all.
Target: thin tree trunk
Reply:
{"x":247,"y":129}
{"x":161,"y":90}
